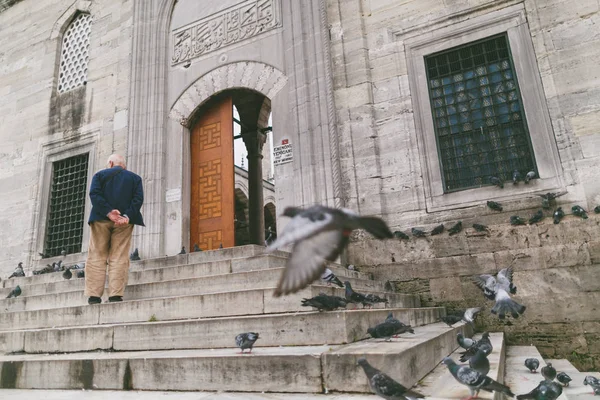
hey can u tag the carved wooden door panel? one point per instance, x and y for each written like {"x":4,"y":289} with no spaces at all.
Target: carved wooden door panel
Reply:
{"x":212,"y":186}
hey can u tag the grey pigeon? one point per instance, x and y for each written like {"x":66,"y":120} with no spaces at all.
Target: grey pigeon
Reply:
{"x":319,"y":235}
{"x":548,"y":198}
{"x":437,"y":230}
{"x":18,"y":272}
{"x":480,"y":227}
{"x":400,"y":326}
{"x":47,"y":269}
{"x":63,"y":252}
{"x":530,"y":175}
{"x":474,"y":380}
{"x":135,"y":256}
{"x":537,"y":217}
{"x":44,"y":255}
{"x":580,"y":212}
{"x":597,"y":209}
{"x":384,"y":330}
{"x":354,"y":297}
{"x":593,"y":382}
{"x":401,"y":235}
{"x":324,"y":302}
{"x":465,"y":342}
{"x":545,"y":390}
{"x":418,"y":232}
{"x":494,"y":205}
{"x":81,"y":274}
{"x":494,"y":180}
{"x":516,"y":177}
{"x":532,"y":364}
{"x":470,"y":315}
{"x":484,"y":343}
{"x":563,"y":378}
{"x":196,"y":248}
{"x":221,"y":246}
{"x":516,"y":220}
{"x":57,"y":266}
{"x":374,"y":299}
{"x":479,"y":362}
{"x":329,"y":277}
{"x":451,"y":319}
{"x":498,"y":289}
{"x":182,"y":251}
{"x":558,"y":215}
{"x":455,"y":228}
{"x":67,"y":274}
{"x":548,"y":372}
{"x":246,"y":341}
{"x":16,"y":292}
{"x":384,"y":386}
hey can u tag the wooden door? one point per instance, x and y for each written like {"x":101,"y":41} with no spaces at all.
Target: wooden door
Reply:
{"x":212,"y":190}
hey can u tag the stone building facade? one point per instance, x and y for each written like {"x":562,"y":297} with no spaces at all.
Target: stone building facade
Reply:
{"x":370,"y":102}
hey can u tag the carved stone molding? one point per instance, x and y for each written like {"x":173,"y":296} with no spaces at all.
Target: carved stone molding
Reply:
{"x":233,"y":25}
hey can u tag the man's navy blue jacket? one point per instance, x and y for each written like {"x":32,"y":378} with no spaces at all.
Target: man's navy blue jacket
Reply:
{"x":122,"y":191}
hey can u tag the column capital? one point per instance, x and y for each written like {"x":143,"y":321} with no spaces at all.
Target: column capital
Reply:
{"x":254,"y":140}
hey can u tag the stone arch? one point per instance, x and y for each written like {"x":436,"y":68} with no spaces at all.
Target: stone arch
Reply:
{"x":63,"y":22}
{"x":256,"y":76}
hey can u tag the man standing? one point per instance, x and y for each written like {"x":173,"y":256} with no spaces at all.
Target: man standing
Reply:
{"x":117,"y":196}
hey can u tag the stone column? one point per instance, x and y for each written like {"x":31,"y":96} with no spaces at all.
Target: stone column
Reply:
{"x":255,"y":140}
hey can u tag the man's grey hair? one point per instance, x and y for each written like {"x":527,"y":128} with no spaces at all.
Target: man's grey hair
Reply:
{"x":117,"y":159}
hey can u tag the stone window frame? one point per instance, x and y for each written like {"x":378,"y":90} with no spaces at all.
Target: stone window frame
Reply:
{"x":57,"y":150}
{"x":512,"y":21}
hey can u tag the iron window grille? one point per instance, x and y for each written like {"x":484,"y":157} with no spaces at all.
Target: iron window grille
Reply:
{"x":478,"y":115}
{"x":67,"y":205}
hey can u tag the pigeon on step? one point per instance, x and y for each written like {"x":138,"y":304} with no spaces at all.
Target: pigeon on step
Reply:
{"x":530,"y":175}
{"x":516,"y":220}
{"x":537,"y":217}
{"x":597,"y":209}
{"x":418,"y":232}
{"x":324,"y":302}
{"x":558,"y":215}
{"x":579,"y":211}
{"x":545,"y":390}
{"x":57,"y":266}
{"x":246,"y":341}
{"x":451,"y":319}
{"x":67,"y":274}
{"x":483,"y":343}
{"x":196,"y":248}
{"x":455,"y":228}
{"x":81,"y":274}
{"x":563,"y":378}
{"x":516,"y":177}
{"x":354,"y":297}
{"x":400,"y":326}
{"x":549,"y":372}
{"x":498,"y":289}
{"x":465,"y":342}
{"x":474,"y":380}
{"x":401,"y":235}
{"x":593,"y":382}
{"x":437,"y":230}
{"x":329,"y":277}
{"x":479,"y":362}
{"x":18,"y":272}
{"x":319,"y":235}
{"x":16,"y":292}
{"x":494,"y":180}
{"x":480,"y":227}
{"x":532,"y":364}
{"x":494,"y":206}
{"x":135,"y":256}
{"x":182,"y":251}
{"x":47,"y":269}
{"x":384,"y":330}
{"x":374,"y":299}
{"x":384,"y":386}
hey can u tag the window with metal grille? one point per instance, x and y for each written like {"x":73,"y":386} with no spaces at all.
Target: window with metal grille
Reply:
{"x":478,"y":115}
{"x":74,"y":54}
{"x":67,"y":205}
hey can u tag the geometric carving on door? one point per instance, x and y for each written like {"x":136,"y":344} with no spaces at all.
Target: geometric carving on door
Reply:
{"x":209,"y":185}
{"x":210,"y":136}
{"x":211,"y":239}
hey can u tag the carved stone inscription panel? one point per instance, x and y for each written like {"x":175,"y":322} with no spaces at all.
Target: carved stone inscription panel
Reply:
{"x":235,"y":24}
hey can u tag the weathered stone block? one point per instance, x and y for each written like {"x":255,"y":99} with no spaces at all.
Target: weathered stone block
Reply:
{"x":446,"y":289}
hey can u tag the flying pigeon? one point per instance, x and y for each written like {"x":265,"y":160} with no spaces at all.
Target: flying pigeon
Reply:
{"x":401,"y":235}
{"x":182,"y":251}
{"x":474,"y":380}
{"x":593,"y":382}
{"x":563,"y":378}
{"x":329,"y":277}
{"x":246,"y":341}
{"x":465,"y":342}
{"x":479,"y":362}
{"x":455,"y":228}
{"x":484,"y":343}
{"x":16,"y":292}
{"x":319,"y":235}
{"x":597,"y":209}
{"x":516,"y":220}
{"x":354,"y":297}
{"x":67,"y":274}
{"x":470,"y":315}
{"x":549,"y":197}
{"x":494,"y":206}
{"x":81,"y":274}
{"x":135,"y":256}
{"x":558,"y":215}
{"x":417,"y":232}
{"x":384,"y":386}
{"x":537,"y":217}
{"x":545,"y":390}
{"x":516,"y":177}
{"x":548,"y":372}
{"x":494,"y":180}
{"x":437,"y":230}
{"x":532,"y":364}
{"x":580,"y":212}
{"x":18,"y":271}
{"x":498,"y":289}
{"x":530,"y":175}
{"x":480,"y":227}
{"x":196,"y":248}
{"x":324,"y":302}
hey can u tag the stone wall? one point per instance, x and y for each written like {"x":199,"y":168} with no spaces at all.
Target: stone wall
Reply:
{"x":555,"y":270}
{"x":38,"y":125}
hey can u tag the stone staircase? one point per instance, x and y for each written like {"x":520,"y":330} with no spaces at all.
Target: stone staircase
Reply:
{"x":176,"y":330}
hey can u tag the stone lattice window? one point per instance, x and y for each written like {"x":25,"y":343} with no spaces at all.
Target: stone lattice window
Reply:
{"x":74,"y":54}
{"x":478,"y":115}
{"x":67,"y":205}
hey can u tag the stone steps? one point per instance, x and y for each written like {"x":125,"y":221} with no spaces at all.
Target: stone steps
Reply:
{"x":312,"y":328}
{"x":242,"y":302}
{"x":316,"y":368}
{"x":440,"y":384}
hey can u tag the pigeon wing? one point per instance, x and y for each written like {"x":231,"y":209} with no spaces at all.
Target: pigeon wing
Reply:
{"x":505,"y":277}
{"x":308,"y":259}
{"x":386,"y":386}
{"x":302,"y":226}
{"x":487,"y":283}
{"x":469,"y":377}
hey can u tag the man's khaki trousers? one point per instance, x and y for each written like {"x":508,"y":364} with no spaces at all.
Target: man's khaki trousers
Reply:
{"x":108,"y":243}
